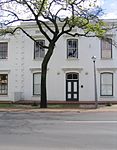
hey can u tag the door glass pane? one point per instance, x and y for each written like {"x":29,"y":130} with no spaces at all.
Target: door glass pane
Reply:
{"x":75,"y":96}
{"x":75,"y":76}
{"x":69,"y":95}
{"x":69,"y":76}
{"x":75,"y":86}
{"x":69,"y":86}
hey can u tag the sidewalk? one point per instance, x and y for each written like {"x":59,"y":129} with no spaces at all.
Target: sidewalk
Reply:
{"x":112,"y":108}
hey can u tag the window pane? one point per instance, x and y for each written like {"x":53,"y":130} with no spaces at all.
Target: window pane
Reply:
{"x":37,"y":78}
{"x":36,"y":89}
{"x":3,"y":84}
{"x":36,"y":83}
{"x":106,"y":48}
{"x":72,"y":48}
{"x":39,"y":51}
{"x":106,"y":90}
{"x":69,"y":44}
{"x":107,"y":84}
{"x":106,"y":54}
{"x":42,"y":52}
{"x":107,"y":78}
{"x":3,"y":50}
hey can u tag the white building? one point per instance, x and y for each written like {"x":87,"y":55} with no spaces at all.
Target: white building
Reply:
{"x":70,"y":70}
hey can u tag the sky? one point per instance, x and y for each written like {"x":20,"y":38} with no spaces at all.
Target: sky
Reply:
{"x":109,"y":8}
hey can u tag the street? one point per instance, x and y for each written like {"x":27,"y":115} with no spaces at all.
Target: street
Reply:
{"x":58,"y":131}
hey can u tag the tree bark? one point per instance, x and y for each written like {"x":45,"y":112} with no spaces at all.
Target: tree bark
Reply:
{"x":43,"y":101}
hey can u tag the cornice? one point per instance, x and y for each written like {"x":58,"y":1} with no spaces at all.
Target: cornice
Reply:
{"x":65,"y":69}
{"x":107,"y":69}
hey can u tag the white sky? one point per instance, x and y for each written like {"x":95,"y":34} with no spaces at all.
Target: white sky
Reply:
{"x":109,"y":8}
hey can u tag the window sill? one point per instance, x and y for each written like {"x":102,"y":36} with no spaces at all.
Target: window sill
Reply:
{"x":36,"y":95}
{"x":70,"y":59}
{"x":106,"y":58}
{"x":3,"y":95}
{"x":107,"y":96}
{"x":39,"y":59}
{"x":3,"y":59}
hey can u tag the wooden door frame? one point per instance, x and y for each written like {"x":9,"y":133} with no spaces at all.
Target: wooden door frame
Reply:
{"x":72,"y":90}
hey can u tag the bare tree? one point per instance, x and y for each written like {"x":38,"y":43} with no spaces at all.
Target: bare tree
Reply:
{"x":63,"y":15}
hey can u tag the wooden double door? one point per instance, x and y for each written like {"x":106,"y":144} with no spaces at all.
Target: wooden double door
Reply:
{"x":72,"y":87}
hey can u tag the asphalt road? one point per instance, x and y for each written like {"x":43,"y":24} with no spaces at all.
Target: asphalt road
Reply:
{"x":58,"y":131}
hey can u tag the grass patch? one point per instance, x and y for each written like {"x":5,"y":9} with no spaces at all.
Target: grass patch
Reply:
{"x":17,"y":106}
{"x":6,"y":105}
{"x":36,"y":106}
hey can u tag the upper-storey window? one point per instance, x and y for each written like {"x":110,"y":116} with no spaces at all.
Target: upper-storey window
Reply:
{"x":72,"y":48}
{"x":3,"y":84}
{"x":3,"y":50}
{"x":39,"y":51}
{"x":106,"y":48}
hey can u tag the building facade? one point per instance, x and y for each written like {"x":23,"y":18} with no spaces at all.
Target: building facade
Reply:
{"x":70,"y":75}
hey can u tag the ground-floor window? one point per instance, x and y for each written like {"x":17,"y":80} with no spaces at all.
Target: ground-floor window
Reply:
{"x":3,"y":84}
{"x":106,"y":84}
{"x":36,"y":83}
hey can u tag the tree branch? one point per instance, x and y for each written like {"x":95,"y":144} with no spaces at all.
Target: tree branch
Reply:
{"x":12,"y":31}
{"x":30,"y":8}
{"x":42,"y":31}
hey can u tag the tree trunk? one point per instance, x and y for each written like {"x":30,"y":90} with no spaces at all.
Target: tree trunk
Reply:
{"x":43,"y":102}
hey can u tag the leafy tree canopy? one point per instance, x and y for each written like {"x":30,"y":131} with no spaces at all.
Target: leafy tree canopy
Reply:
{"x":72,"y":13}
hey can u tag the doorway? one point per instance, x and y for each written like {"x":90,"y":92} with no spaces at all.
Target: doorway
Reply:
{"x":72,"y":86}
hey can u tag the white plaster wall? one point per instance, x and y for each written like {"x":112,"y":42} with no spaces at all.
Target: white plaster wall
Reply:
{"x":20,"y":66}
{"x":59,"y":61}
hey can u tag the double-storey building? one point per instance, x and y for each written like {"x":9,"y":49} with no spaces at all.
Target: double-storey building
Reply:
{"x":70,"y":75}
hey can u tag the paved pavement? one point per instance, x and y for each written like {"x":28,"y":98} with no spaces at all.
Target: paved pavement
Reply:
{"x":112,"y":108}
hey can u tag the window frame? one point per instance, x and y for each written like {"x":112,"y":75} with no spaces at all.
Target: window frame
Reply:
{"x":2,"y":51}
{"x":34,"y":94}
{"x":76,"y":57}
{"x":101,"y":94}
{"x":39,"y":40}
{"x":110,"y":39}
{"x":5,"y":84}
